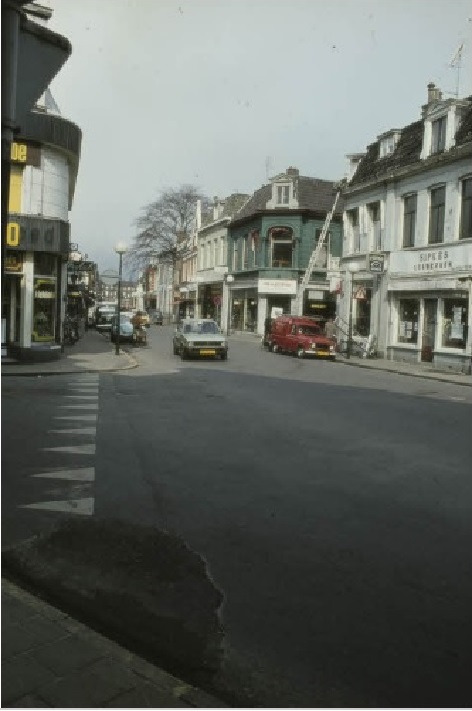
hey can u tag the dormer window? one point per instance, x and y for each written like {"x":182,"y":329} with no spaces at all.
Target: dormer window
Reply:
{"x":388,"y":143}
{"x":438,"y":135}
{"x":283,"y":194}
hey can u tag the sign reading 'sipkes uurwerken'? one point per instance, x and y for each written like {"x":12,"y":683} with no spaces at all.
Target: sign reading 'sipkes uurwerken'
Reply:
{"x":456,"y":257}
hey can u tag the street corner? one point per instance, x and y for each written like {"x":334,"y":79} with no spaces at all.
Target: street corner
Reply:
{"x":142,"y":586}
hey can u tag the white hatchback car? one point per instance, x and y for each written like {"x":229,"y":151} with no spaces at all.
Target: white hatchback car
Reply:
{"x":199,"y":337}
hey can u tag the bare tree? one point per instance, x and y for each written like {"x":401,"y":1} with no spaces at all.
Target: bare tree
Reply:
{"x":163,"y":226}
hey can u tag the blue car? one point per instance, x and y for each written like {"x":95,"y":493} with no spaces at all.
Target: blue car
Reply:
{"x":127,"y":334}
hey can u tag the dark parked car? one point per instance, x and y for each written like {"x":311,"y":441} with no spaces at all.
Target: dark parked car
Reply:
{"x":157,"y":317}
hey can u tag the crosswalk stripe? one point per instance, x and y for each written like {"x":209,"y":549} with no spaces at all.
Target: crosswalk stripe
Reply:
{"x":83,"y":406}
{"x":81,"y":418}
{"x":76,"y":431}
{"x":83,"y":474}
{"x":82,"y":397}
{"x":82,"y":507}
{"x":77,"y":449}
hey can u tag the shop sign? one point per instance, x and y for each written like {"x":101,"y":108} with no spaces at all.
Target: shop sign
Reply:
{"x":457,"y":257}
{"x":28,"y":233}
{"x":376,"y":263}
{"x":277,"y":286}
{"x":25,"y":154}
{"x":13,"y":263}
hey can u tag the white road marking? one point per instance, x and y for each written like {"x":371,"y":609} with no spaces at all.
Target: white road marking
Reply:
{"x":85,"y":406}
{"x":76,"y":431}
{"x":78,"y":449}
{"x":82,"y":507}
{"x":82,"y":418}
{"x":84,"y":474}
{"x":82,"y":397}
{"x":92,"y":388}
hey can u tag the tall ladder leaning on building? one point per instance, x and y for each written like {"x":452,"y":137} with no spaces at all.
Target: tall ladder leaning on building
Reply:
{"x":316,"y":252}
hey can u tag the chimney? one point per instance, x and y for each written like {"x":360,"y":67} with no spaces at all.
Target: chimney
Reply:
{"x":293,"y":172}
{"x":434,"y":94}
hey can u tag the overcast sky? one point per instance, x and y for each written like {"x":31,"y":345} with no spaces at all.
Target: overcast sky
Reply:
{"x":223,"y":93}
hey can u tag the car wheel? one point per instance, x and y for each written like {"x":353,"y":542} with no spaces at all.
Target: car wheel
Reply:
{"x":300,"y":352}
{"x":224,"y":356}
{"x":175,"y":350}
{"x":183,"y":354}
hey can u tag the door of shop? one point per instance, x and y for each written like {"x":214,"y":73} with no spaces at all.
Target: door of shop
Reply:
{"x":429,"y":330}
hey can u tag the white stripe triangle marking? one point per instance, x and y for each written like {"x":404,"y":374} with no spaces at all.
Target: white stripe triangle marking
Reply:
{"x":76,"y":431}
{"x":78,"y":449}
{"x":84,"y":406}
{"x":82,"y":507}
{"x":84,"y":474}
{"x":82,"y":418}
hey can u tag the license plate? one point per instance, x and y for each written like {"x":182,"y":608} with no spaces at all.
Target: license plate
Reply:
{"x":207,"y":352}
{"x":323,"y":353}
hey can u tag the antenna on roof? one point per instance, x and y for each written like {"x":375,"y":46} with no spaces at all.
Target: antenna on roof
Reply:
{"x":456,"y":63}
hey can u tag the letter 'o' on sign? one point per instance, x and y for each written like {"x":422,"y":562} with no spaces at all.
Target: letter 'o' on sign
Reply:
{"x":13,"y":234}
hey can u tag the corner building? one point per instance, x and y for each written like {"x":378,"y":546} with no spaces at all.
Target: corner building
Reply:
{"x":45,"y":159}
{"x":408,"y":238}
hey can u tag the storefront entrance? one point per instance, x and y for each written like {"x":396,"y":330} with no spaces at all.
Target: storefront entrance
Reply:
{"x":428,"y":342}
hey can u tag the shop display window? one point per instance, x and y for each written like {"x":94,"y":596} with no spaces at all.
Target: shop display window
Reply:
{"x":408,"y":312}
{"x":44,"y":309}
{"x":455,"y":323}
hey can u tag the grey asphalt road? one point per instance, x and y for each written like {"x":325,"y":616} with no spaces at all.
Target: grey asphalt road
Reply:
{"x":331,"y":504}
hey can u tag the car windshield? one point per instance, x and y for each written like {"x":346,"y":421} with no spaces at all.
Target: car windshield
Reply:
{"x":308,"y":330}
{"x":201,"y":327}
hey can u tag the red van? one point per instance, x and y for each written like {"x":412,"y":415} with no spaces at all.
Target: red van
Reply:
{"x":301,"y":336}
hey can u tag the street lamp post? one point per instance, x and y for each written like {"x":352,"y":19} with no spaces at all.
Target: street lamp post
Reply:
{"x":120,"y":249}
{"x":352,"y":268}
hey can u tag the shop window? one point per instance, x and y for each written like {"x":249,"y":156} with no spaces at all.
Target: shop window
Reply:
{"x":409,"y":220}
{"x":466,"y":210}
{"x":281,"y":239}
{"x":408,"y":320}
{"x":436,"y":217}
{"x":44,"y":308}
{"x":455,"y":323}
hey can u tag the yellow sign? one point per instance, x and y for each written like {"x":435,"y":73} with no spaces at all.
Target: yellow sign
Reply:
{"x":13,"y":234}
{"x":19,"y":152}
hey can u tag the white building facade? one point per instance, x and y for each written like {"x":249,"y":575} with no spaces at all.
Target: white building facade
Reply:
{"x":407,"y":248}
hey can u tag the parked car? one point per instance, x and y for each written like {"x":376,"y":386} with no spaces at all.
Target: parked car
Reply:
{"x":157,"y":317}
{"x":127,"y":334}
{"x":300,"y":336}
{"x":199,"y":337}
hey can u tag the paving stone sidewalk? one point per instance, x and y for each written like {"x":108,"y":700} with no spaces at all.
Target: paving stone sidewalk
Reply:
{"x":51,"y":660}
{"x":93,"y":353}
